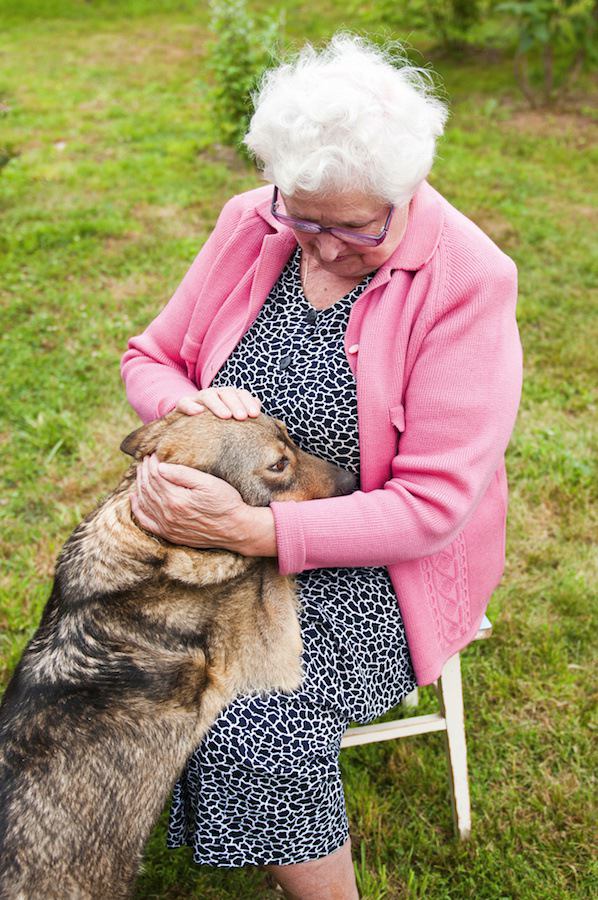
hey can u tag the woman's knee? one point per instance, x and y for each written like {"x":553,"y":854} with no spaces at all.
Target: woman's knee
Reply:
{"x":330,"y":878}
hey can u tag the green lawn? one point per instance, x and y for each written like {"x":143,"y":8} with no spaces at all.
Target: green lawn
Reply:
{"x":111,"y":184}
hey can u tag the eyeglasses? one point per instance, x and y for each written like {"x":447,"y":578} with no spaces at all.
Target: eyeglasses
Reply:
{"x":343,"y":234}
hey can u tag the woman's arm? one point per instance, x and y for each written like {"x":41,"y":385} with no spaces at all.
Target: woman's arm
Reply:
{"x":460,"y":403}
{"x":154,"y":372}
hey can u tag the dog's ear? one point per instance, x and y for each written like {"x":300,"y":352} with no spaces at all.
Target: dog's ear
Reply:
{"x":144,"y":440}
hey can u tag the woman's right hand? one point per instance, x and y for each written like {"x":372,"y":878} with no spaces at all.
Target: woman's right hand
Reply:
{"x":224,"y":402}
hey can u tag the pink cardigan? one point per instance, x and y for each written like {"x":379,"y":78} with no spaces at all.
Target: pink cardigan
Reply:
{"x":435,"y":351}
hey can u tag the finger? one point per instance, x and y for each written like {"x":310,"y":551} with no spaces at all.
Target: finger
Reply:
{"x":235,"y":401}
{"x":139,"y":481}
{"x":252,"y":404}
{"x":158,"y":485}
{"x":189,"y":406}
{"x":153,"y":476}
{"x":212,"y":401}
{"x":147,"y":481}
{"x":184,"y":476}
{"x":240,"y":402}
{"x":141,"y":485}
{"x":144,"y":520}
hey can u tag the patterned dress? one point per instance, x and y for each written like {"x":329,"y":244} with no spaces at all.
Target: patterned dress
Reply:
{"x":264,"y":785}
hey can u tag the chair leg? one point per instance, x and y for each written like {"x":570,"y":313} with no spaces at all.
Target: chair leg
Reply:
{"x":451,"y":702}
{"x":411,"y":699}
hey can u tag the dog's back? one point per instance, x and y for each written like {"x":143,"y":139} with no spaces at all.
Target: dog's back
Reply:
{"x":93,"y":730}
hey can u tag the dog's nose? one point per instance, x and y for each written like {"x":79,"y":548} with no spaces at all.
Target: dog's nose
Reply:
{"x":346,"y":482}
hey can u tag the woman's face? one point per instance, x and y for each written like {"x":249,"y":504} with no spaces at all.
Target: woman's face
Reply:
{"x":347,"y":210}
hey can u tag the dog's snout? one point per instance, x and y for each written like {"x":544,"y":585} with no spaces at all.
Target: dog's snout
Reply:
{"x":346,"y":482}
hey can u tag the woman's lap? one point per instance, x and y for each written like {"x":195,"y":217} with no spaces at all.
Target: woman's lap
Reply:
{"x":264,"y":786}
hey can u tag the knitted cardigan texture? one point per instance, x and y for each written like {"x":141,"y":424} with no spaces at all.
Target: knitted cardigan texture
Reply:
{"x":434,"y":347}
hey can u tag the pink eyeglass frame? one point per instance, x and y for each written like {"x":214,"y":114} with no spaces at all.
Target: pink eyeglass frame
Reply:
{"x":344,"y":234}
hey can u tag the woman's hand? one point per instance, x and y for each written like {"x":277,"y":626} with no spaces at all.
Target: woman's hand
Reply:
{"x":195,"y":509}
{"x":224,"y":402}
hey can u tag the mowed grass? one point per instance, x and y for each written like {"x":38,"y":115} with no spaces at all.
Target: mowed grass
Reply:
{"x":110,"y":186}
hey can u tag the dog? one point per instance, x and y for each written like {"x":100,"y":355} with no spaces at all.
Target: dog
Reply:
{"x":140,"y":646}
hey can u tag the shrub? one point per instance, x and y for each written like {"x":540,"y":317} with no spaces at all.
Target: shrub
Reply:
{"x":243,"y":47}
{"x":448,"y":21}
{"x":556,"y":38}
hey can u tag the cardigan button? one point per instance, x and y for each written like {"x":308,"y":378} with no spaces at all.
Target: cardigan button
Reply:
{"x":353,"y":348}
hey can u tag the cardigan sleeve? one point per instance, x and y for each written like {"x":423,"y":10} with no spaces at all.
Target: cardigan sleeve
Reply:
{"x":153,"y":370}
{"x":460,"y":407}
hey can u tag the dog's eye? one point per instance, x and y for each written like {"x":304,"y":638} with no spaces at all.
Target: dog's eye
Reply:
{"x":279,"y":466}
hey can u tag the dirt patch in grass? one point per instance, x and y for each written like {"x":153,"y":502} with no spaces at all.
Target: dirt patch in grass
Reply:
{"x":497,"y":227}
{"x":586,"y":212}
{"x":146,"y":47}
{"x":100,"y":464}
{"x":572,"y":127}
{"x":114,"y":245}
{"x":167,"y":221}
{"x":228,"y":156}
{"x":45,"y":558}
{"x":129,"y":287}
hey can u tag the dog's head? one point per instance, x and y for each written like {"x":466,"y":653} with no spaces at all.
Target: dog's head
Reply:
{"x":256,"y":456}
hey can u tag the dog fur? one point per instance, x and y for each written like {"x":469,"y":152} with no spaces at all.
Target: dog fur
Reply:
{"x":141,"y":645}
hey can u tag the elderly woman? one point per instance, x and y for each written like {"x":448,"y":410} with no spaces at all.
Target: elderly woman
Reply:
{"x":352,"y":301}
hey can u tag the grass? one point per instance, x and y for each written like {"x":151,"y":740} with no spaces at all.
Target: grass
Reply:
{"x":109,"y":184}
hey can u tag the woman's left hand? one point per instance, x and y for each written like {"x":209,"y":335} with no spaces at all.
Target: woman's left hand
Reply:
{"x":186,"y":506}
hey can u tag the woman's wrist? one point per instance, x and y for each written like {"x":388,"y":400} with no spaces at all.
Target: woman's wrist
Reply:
{"x":255,"y":534}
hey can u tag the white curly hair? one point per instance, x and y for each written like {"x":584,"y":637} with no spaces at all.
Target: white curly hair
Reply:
{"x":351,"y":116}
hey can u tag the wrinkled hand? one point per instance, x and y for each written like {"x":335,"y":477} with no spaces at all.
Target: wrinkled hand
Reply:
{"x":187,"y":507}
{"x":224,"y":402}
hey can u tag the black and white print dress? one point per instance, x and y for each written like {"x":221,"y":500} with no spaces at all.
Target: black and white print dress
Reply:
{"x":264,"y":785}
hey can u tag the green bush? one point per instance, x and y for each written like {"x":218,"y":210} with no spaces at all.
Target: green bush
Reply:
{"x":243,"y":47}
{"x":449,"y":21}
{"x":555,"y":39}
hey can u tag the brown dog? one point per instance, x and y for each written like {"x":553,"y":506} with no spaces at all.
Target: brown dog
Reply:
{"x":141,"y":645}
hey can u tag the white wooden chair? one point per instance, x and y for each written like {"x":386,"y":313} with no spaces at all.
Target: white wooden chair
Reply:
{"x":450,"y":719}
